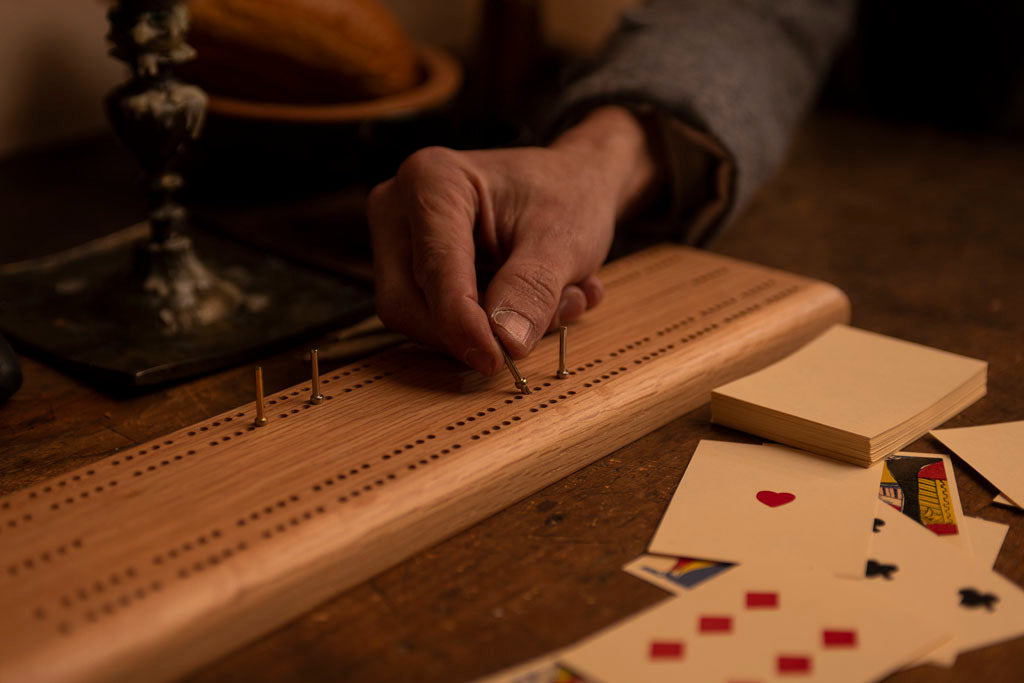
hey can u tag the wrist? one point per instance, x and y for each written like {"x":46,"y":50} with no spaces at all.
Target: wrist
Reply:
{"x":614,"y":143}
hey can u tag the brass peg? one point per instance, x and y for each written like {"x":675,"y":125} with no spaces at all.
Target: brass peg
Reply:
{"x":315,"y":397}
{"x":519,"y":379}
{"x":261,"y":419}
{"x":562,"y":371}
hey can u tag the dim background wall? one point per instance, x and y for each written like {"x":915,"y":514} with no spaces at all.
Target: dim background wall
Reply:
{"x":54,"y":67}
{"x":54,"y":70}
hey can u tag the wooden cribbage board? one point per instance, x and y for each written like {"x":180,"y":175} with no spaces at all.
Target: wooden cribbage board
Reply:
{"x":158,"y":558}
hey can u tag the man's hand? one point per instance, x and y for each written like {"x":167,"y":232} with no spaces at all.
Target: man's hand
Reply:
{"x":544,"y":216}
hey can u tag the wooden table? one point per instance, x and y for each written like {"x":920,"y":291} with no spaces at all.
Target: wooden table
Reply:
{"x":920,"y":227}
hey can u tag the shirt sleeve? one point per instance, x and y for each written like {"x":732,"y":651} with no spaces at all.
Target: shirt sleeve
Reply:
{"x":725,"y":83}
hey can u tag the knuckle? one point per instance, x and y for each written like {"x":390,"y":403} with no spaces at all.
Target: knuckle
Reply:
{"x":379,"y":192}
{"x":445,"y":201}
{"x":427,"y":160}
{"x":537,"y":283}
{"x":431,"y":264}
{"x":434,"y":178}
{"x":440,"y":269}
{"x":378,"y":201}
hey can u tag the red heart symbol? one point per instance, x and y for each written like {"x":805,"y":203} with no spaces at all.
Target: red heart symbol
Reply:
{"x":773,"y":499}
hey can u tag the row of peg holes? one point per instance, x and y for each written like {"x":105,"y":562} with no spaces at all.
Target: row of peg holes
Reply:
{"x":629,"y":276}
{"x":709,"y":275}
{"x":99,"y":489}
{"x":107,"y":608}
{"x":647,"y":357}
{"x":199,"y":542}
{"x":696,"y":334}
{"x":318,"y":487}
{"x":27,"y":517}
{"x":758,"y":288}
{"x":126,"y":599}
{"x":98,"y":591}
{"x":294,"y":521}
{"x":45,"y":557}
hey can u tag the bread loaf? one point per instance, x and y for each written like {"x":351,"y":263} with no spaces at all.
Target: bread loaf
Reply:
{"x":315,"y":51}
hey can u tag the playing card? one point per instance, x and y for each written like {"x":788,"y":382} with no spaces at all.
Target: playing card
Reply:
{"x":914,"y":566}
{"x":543,"y":669}
{"x":987,"y":538}
{"x":753,"y":624}
{"x":1001,"y":499}
{"x":922,"y":486}
{"x":674,"y":574}
{"x":745,"y":503}
{"x":996,"y":451}
{"x":837,"y":603}
{"x":676,"y":640}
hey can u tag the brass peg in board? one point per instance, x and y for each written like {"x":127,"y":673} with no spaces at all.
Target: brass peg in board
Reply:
{"x":261,"y":419}
{"x":563,"y":372}
{"x":315,"y":397}
{"x":521,"y":384}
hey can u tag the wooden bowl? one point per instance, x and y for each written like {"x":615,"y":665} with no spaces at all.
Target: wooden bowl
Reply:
{"x":442,"y":78}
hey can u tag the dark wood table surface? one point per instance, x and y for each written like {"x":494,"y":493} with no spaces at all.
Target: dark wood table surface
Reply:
{"x":922,"y":228}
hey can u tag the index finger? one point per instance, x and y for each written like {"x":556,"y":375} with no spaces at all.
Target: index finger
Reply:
{"x":444,"y":201}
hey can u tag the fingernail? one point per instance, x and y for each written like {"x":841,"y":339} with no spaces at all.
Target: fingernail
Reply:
{"x":515,"y":325}
{"x":479,"y":360}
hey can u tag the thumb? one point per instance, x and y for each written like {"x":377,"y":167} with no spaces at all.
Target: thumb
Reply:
{"x":524,"y":295}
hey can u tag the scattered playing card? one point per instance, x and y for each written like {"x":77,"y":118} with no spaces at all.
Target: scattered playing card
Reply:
{"x":665,"y":643}
{"x":674,"y":574}
{"x":757,"y":624}
{"x":744,"y":503}
{"x":543,"y":669}
{"x":813,"y":578}
{"x":947,"y":586}
{"x":996,"y":451}
{"x":987,"y":538}
{"x":922,"y":486}
{"x":1000,"y":499}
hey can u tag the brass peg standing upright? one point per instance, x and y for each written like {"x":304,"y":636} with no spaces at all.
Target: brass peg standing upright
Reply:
{"x":521,"y":384}
{"x":261,"y":419}
{"x":315,"y":397}
{"x":563,"y":372}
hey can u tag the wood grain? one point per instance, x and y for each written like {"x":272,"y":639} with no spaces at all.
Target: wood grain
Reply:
{"x":166,"y":555}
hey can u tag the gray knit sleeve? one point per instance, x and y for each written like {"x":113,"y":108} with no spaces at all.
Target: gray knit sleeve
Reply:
{"x":741,"y":71}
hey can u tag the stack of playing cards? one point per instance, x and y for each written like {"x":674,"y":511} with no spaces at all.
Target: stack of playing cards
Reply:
{"x":786,"y":566}
{"x":851,"y":395}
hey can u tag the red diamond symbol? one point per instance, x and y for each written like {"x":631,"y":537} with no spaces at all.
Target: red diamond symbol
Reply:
{"x":665,"y":649}
{"x":715,"y":624}
{"x":794,"y":664}
{"x":762,"y":600}
{"x":839,"y":638}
